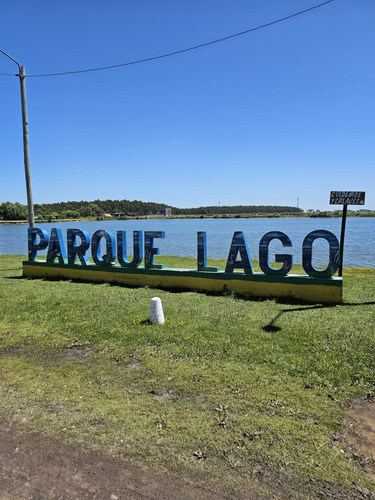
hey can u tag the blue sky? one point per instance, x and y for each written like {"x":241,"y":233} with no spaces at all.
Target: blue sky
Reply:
{"x":281,"y":113}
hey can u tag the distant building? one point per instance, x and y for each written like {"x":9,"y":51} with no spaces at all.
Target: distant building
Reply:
{"x":166,"y":212}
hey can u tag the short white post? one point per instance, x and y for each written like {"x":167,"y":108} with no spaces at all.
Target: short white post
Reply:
{"x":157,"y":315}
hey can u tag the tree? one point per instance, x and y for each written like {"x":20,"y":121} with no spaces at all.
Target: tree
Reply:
{"x":13,"y":211}
{"x":71,"y":214}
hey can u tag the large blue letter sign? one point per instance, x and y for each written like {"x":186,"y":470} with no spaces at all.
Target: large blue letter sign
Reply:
{"x":137,"y":249}
{"x":79,"y":251}
{"x":202,"y":253}
{"x":34,"y":247}
{"x":239,"y":245}
{"x":286,"y":259}
{"x":150,"y":250}
{"x":334,"y":254}
{"x":56,"y":247}
{"x":109,"y":258}
{"x":78,"y":243}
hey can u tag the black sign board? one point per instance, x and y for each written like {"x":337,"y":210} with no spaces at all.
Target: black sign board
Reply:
{"x":347,"y":198}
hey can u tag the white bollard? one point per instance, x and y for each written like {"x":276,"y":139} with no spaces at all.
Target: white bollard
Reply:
{"x":157,"y":315}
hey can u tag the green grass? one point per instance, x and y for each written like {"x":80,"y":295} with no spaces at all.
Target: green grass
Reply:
{"x":223,"y":386}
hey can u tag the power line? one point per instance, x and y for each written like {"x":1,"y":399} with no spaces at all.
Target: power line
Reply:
{"x":182,"y":51}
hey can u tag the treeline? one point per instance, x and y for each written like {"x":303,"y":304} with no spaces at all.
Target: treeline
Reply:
{"x":97,"y":208}
{"x":125,"y":208}
{"x":237,"y":210}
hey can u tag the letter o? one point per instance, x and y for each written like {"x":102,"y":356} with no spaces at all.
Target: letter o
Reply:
{"x":334,"y":254}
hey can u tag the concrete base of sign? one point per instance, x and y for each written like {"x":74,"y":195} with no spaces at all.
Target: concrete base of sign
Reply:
{"x":303,"y":288}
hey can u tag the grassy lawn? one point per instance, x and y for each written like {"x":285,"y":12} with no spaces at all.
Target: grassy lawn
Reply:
{"x":224,"y":389}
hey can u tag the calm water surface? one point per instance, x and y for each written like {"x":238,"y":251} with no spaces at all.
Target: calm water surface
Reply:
{"x":181,"y":236}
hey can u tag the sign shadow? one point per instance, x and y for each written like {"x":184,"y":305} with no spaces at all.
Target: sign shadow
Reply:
{"x":272,"y":327}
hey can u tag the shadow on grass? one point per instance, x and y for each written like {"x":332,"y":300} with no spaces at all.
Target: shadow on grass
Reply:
{"x":272,"y":327}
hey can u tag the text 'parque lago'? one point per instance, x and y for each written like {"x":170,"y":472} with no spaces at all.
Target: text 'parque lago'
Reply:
{"x":79,"y":243}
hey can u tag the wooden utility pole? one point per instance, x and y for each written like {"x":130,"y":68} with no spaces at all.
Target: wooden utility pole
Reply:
{"x":25,"y":130}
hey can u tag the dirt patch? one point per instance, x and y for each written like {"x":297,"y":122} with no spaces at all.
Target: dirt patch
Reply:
{"x":362,"y":416}
{"x":360,"y":434}
{"x":282,"y":485}
{"x":164,"y":396}
{"x":136,"y":365}
{"x":14,"y":351}
{"x":76,"y":353}
{"x":33,"y":466}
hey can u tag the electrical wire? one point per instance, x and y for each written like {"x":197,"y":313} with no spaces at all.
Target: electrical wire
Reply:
{"x":181,"y":51}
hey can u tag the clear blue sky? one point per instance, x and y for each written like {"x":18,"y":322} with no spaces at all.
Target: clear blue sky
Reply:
{"x":283,"y":112}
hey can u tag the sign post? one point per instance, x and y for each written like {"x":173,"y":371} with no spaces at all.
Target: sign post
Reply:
{"x":345,"y":198}
{"x":25,"y":129}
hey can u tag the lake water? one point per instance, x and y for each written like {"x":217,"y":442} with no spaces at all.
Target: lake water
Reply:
{"x":181,"y":236}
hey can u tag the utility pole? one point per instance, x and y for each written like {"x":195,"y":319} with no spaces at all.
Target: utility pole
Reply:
{"x":25,"y":130}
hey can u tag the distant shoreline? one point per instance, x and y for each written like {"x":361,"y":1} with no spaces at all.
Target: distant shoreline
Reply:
{"x":206,"y":216}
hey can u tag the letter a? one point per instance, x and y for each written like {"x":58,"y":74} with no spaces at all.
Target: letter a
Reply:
{"x":239,"y":245}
